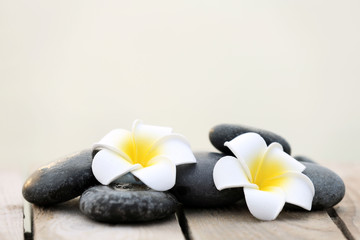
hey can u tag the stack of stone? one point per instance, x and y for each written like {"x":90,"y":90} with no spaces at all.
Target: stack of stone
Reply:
{"x":128,"y":200}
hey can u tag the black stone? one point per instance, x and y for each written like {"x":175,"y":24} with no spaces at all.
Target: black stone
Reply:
{"x":195,"y":185}
{"x":61,"y":180}
{"x":120,"y":203}
{"x":225,"y":132}
{"x":329,"y":187}
{"x":304,"y":159}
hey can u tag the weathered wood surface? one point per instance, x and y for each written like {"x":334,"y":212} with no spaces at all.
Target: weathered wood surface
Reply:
{"x":237,"y":223}
{"x":65,"y":221}
{"x":11,"y":202}
{"x":349,"y":208}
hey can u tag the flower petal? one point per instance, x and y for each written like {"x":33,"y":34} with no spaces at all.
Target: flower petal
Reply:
{"x":228,"y":173}
{"x":145,"y":136}
{"x":265,"y":205}
{"x":275,"y":163}
{"x":248,"y":147}
{"x":160,"y":175}
{"x":149,"y":133}
{"x":119,"y":141}
{"x":175,"y":147}
{"x":108,"y":166}
{"x":299,"y":189}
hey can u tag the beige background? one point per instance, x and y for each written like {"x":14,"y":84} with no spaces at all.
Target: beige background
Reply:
{"x":70,"y":71}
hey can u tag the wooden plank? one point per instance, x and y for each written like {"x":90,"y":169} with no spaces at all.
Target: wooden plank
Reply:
{"x":65,"y":221}
{"x":237,"y":223}
{"x":348,"y":209}
{"x":11,"y":202}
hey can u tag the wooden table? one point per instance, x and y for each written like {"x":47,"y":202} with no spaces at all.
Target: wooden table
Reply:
{"x":65,"y":221}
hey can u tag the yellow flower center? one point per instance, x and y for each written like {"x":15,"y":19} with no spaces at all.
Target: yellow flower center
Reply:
{"x":138,"y":151}
{"x":267,"y":175}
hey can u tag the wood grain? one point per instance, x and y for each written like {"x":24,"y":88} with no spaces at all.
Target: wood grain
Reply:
{"x":11,"y":201}
{"x":349,"y":209}
{"x":65,"y":221}
{"x":237,"y":223}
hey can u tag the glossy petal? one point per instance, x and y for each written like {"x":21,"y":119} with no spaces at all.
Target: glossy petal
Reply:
{"x":119,"y":141}
{"x":145,"y":136}
{"x":148,"y":133}
{"x":228,"y":173}
{"x":160,"y":175}
{"x":175,"y":147}
{"x":264,"y":205}
{"x":108,"y":166}
{"x":248,"y":147}
{"x":275,"y":163}
{"x":298,"y":188}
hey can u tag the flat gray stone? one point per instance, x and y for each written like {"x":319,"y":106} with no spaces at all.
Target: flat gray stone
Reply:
{"x":226,"y":132}
{"x":329,"y":187}
{"x":119,"y":203}
{"x":61,"y":180}
{"x":195,"y":185}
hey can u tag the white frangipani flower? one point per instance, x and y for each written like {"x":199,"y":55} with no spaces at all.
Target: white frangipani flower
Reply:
{"x":150,"y":153}
{"x":269,"y":176}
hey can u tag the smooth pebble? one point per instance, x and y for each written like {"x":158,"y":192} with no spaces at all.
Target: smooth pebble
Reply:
{"x":119,"y":203}
{"x":195,"y":185}
{"x":61,"y":180}
{"x":226,"y":132}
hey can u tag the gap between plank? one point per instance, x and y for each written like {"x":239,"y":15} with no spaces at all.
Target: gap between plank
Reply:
{"x":180,"y":215}
{"x":340,"y":223}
